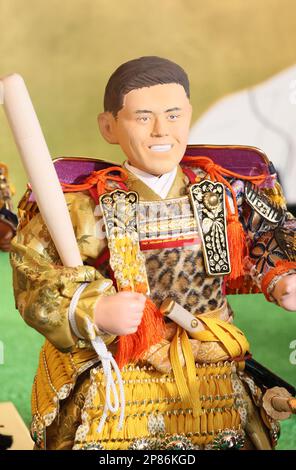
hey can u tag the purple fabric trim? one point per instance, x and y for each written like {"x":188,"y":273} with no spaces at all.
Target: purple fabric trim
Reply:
{"x":246,"y":161}
{"x":74,"y":171}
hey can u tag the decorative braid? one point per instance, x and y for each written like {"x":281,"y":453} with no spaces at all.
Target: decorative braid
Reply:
{"x":99,"y":179}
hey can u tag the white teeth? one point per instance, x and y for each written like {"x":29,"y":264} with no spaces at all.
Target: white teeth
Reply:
{"x":161,"y":148}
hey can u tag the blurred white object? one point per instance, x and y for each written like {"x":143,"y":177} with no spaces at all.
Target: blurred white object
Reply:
{"x":39,"y":167}
{"x":263,"y":116}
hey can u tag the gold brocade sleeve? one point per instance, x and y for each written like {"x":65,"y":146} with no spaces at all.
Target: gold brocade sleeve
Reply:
{"x":43,"y":288}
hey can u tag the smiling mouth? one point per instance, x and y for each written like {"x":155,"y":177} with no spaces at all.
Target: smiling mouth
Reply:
{"x":161,"y":148}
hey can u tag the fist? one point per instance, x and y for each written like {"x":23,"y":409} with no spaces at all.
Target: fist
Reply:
{"x":120,"y":314}
{"x":6,"y":235}
{"x":284,"y":292}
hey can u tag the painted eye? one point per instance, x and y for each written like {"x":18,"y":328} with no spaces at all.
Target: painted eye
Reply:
{"x":143,"y":119}
{"x":173,"y":117}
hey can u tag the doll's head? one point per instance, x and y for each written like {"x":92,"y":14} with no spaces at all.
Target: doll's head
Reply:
{"x":147,"y":112}
{"x":141,"y":73}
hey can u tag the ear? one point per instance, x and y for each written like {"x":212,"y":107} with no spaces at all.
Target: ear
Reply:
{"x":107,"y":126}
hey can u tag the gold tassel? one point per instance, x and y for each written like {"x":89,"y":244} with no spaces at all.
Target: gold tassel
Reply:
{"x":178,"y":373}
{"x":276,"y":195}
{"x":193,"y":380}
{"x":210,"y":424}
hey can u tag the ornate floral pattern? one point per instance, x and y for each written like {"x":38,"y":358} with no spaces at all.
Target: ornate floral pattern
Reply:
{"x":43,"y":288}
{"x":266,"y":252}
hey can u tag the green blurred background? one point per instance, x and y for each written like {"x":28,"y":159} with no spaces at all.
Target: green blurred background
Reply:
{"x":67,"y":50}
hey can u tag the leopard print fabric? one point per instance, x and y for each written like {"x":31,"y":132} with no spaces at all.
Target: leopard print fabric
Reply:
{"x":179,"y":273}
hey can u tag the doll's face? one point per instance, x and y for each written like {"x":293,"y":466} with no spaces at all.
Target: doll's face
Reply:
{"x":152,"y":127}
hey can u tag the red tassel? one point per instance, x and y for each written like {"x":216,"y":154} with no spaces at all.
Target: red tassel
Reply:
{"x":235,"y":233}
{"x":237,"y":246}
{"x":150,"y":331}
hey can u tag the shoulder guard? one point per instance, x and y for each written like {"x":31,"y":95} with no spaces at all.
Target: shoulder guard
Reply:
{"x":242,"y":159}
{"x":74,"y":170}
{"x":70,"y":170}
{"x":263,"y":205}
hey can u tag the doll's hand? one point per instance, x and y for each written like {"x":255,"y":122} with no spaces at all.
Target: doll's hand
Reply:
{"x":6,"y":235}
{"x":284,"y":292}
{"x":120,"y":314}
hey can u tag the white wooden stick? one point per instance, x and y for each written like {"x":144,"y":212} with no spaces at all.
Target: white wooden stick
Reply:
{"x":39,"y":167}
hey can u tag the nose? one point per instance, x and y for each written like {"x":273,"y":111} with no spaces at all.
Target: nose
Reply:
{"x":159,"y":128}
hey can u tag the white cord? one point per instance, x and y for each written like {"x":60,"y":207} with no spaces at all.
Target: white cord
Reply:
{"x":72,"y":309}
{"x":107,"y":362}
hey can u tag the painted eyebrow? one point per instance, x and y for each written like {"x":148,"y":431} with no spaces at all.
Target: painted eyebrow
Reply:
{"x":147,"y":111}
{"x":142,"y":111}
{"x":172,"y":109}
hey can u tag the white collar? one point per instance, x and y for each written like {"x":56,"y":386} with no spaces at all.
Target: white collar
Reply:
{"x":161,"y":185}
